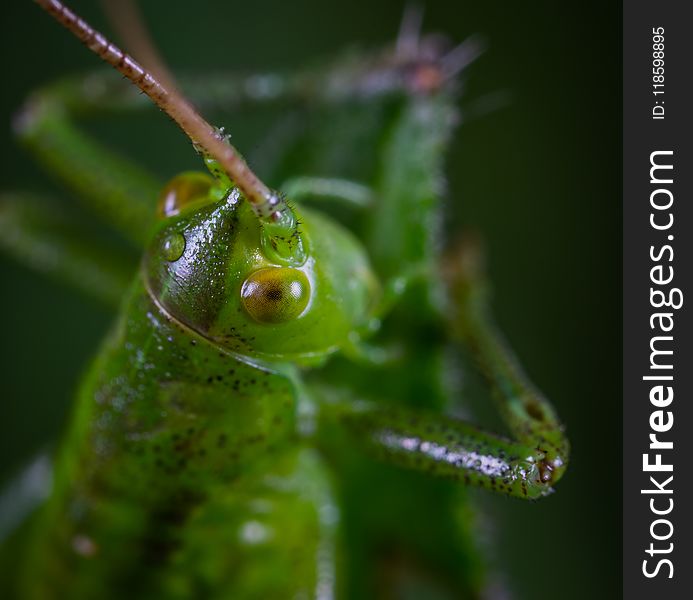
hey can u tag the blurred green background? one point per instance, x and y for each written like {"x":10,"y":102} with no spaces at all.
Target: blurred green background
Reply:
{"x":539,"y":177}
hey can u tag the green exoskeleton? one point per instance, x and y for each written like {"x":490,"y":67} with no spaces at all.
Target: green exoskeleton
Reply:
{"x":269,"y":416}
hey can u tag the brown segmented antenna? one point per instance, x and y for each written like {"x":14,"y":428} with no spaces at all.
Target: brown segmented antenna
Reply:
{"x":126,"y":19}
{"x":267,"y":204}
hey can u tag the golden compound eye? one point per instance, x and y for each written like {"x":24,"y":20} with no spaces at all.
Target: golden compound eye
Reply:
{"x":275,"y":295}
{"x":183,"y":190}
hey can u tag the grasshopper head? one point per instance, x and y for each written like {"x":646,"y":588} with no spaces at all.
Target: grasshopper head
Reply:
{"x":209,"y":267}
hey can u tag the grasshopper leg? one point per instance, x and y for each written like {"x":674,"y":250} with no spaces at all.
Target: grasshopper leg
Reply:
{"x":39,"y":236}
{"x":525,"y":467}
{"x":120,"y":192}
{"x":348,"y":192}
{"x":528,"y":414}
{"x":449,"y":448}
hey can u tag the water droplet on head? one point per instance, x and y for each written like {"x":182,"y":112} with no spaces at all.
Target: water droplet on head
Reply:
{"x":173,"y":247}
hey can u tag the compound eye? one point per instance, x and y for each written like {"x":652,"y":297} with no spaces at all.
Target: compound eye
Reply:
{"x":182,"y":191}
{"x":275,"y":295}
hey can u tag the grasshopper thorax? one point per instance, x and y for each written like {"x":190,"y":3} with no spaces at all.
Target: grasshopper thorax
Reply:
{"x":207,"y":266}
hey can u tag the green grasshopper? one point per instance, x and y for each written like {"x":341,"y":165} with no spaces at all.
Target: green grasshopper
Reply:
{"x":269,"y":417}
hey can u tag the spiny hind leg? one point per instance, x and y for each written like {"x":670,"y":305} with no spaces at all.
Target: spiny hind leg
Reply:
{"x":528,"y":414}
{"x":525,"y":467}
